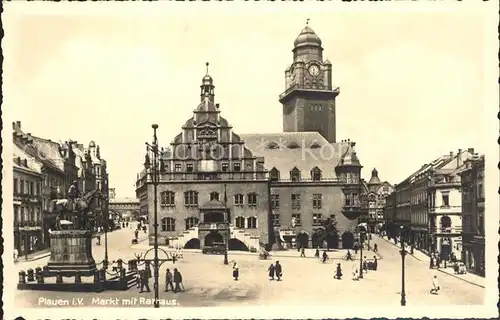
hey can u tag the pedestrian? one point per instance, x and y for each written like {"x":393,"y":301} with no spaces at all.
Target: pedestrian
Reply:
{"x":325,"y":256}
{"x":136,"y":233}
{"x":278,"y":270}
{"x":144,"y":281}
{"x":174,"y":257}
{"x":338,"y":274}
{"x":317,"y":252}
{"x":435,"y":285}
{"x":303,"y":253}
{"x":177,"y":280}
{"x":431,"y":262}
{"x":98,"y":239}
{"x":375,"y":248}
{"x":271,"y":271}
{"x":169,"y":281}
{"x":349,"y":256}
{"x":375,"y":263}
{"x":138,"y":279}
{"x":355,"y":274}
{"x":355,"y":248}
{"x":236,"y":272}
{"x":365,"y":264}
{"x":16,"y":255}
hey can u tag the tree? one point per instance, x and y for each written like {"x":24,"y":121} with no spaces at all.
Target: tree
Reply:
{"x":330,"y":233}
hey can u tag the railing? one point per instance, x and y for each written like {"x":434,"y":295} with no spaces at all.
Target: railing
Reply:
{"x":308,"y":87}
{"x":213,"y":226}
{"x":29,"y":224}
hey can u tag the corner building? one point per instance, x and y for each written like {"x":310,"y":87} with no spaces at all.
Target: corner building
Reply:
{"x":254,"y":189}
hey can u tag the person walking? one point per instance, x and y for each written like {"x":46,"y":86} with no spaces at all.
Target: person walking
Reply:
{"x":169,"y":281}
{"x":317,"y":253}
{"x":355,"y":274}
{"x":138,"y":279}
{"x":355,"y":247}
{"x":144,"y":281}
{"x":271,"y":271}
{"x":375,"y":263}
{"x":325,"y":256}
{"x":375,"y":247}
{"x":365,"y":265}
{"x":177,"y":280}
{"x":338,"y":274}
{"x":302,"y":252}
{"x":236,"y":272}
{"x":278,"y":270}
{"x":435,"y":285}
{"x":16,"y":255}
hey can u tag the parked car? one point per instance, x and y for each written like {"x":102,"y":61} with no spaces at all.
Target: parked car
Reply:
{"x":215,"y":248}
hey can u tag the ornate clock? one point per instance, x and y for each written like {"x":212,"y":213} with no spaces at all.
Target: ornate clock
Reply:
{"x":313,"y":70}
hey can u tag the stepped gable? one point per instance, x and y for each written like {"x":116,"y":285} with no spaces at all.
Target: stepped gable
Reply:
{"x":304,"y":150}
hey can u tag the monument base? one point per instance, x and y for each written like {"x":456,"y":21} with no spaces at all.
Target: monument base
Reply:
{"x":71,"y":253}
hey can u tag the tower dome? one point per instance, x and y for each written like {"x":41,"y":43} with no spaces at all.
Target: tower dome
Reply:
{"x":307,"y":37}
{"x":207,"y":79}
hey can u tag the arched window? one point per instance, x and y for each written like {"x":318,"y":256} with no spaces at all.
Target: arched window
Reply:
{"x":191,"y":198}
{"x":445,"y":224}
{"x":295,"y":174}
{"x":167,"y":224}
{"x":274,"y":174}
{"x":191,"y":222}
{"x":252,"y":223}
{"x":214,"y":196}
{"x":167,"y":198}
{"x":240,"y":222}
{"x":316,"y":174}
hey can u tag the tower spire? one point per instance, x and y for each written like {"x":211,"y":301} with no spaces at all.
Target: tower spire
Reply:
{"x":307,"y":21}
{"x":207,"y":64}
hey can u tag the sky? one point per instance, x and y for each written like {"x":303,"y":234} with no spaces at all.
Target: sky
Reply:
{"x":412,"y":85}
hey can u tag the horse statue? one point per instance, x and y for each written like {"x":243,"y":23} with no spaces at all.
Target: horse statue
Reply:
{"x":74,"y":209}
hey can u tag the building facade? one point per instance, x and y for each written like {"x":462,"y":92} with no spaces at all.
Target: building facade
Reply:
{"x":373,"y":200}
{"x":254,"y":189}
{"x":27,"y":194}
{"x":473,"y":215}
{"x":60,"y":164}
{"x":124,"y":209}
{"x":425,"y":210}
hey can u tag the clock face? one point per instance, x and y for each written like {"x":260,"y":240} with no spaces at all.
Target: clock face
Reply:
{"x":314,"y":70}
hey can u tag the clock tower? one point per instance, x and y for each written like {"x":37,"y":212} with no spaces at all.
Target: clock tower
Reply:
{"x":309,"y":98}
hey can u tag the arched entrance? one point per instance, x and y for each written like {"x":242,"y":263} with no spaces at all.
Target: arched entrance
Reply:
{"x":332,"y":241}
{"x":235,"y":244}
{"x":213,"y":237}
{"x":317,"y":239}
{"x":347,"y":240}
{"x":193,"y":244}
{"x":213,"y":217}
{"x":302,"y":240}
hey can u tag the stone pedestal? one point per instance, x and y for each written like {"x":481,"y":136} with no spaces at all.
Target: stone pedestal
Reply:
{"x":71,"y":253}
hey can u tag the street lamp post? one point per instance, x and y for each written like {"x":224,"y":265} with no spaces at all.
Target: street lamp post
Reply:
{"x":403,"y":254}
{"x":226,"y":261}
{"x":361,"y":233}
{"x":153,"y":148}
{"x":106,"y":261}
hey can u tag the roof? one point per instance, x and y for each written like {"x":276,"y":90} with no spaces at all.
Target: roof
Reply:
{"x":213,"y":204}
{"x":374,"y":179}
{"x":33,"y":165}
{"x":307,"y":37}
{"x":49,"y":152}
{"x":304,"y":150}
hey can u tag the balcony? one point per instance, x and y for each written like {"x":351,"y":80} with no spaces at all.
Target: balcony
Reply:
{"x":309,"y":87}
{"x":28,"y":225}
{"x":351,"y":212}
{"x":204,"y":226}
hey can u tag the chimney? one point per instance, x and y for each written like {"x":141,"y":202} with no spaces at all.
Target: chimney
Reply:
{"x":459,"y":157}
{"x":217,"y":105}
{"x":18,"y":161}
{"x":18,"y":124}
{"x":25,"y":163}
{"x":470,"y":150}
{"x":451,"y":154}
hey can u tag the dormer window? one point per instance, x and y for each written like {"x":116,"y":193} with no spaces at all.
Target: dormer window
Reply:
{"x":272,"y":145}
{"x":316,"y":174}
{"x":295,"y":174}
{"x":293,"y":145}
{"x":315,"y":146}
{"x":274,"y":175}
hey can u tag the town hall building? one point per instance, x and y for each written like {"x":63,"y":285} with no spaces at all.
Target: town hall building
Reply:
{"x":249,"y":190}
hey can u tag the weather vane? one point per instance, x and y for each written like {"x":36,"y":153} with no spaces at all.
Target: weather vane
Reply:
{"x":307,"y":21}
{"x":207,"y":66}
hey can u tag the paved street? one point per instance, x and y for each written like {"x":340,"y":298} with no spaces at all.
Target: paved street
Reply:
{"x":209,"y":282}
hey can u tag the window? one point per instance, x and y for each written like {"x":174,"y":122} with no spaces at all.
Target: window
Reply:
{"x":167,"y":198}
{"x":252,"y":199}
{"x":240,"y":222}
{"x":16,"y":187}
{"x":177,"y":167}
{"x":252,"y":223}
{"x":295,"y":201}
{"x":317,"y":201}
{"x":167,"y":224}
{"x":238,"y":200}
{"x":16,"y":214}
{"x":480,"y":224}
{"x":237,"y":167}
{"x":21,"y":183}
{"x":275,"y":201}
{"x":348,"y":200}
{"x":191,"y":222}
{"x":276,"y":219}
{"x":38,"y":189}
{"x":316,"y":219}
{"x":296,"y":221}
{"x":191,"y":198}
{"x":480,"y":191}
{"x":446,"y":200}
{"x":214,"y":196}
{"x":274,"y":175}
{"x":295,"y":174}
{"x":225,"y":167}
{"x":189,"y":167}
{"x":316,"y":174}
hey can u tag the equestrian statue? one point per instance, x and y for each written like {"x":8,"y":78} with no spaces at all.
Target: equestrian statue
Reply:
{"x":75,"y":207}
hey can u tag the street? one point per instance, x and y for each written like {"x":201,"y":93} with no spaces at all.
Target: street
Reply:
{"x":208,"y":282}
